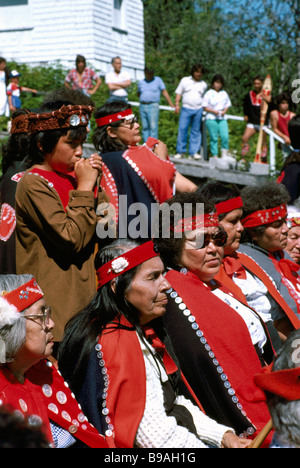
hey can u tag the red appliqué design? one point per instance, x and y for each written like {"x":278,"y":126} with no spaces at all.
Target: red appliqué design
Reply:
{"x":7,"y":221}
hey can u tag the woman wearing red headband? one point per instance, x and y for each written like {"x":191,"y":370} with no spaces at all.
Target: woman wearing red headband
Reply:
{"x":120,"y":336}
{"x":142,"y":173}
{"x":264,"y":240}
{"x":29,"y":384}
{"x":220,"y":342}
{"x":56,"y":212}
{"x":254,"y":288}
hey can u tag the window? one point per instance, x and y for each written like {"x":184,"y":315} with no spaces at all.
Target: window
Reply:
{"x":10,"y":3}
{"x":118,"y":14}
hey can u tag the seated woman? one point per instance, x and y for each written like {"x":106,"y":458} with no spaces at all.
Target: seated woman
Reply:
{"x":56,"y":212}
{"x":254,"y":288}
{"x":132,"y":173}
{"x":116,"y":337}
{"x":265,"y":238}
{"x":29,"y":383}
{"x":219,"y":341}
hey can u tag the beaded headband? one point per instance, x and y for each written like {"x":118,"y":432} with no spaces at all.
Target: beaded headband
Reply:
{"x":108,"y":119}
{"x":14,"y":302}
{"x":125,"y":262}
{"x":65,"y":117}
{"x":284,"y":383}
{"x":259,"y":218}
{"x":197,"y":222}
{"x":229,"y":205}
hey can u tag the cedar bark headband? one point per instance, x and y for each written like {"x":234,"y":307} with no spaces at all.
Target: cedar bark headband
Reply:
{"x":65,"y":117}
{"x":259,"y":218}
{"x":125,"y":262}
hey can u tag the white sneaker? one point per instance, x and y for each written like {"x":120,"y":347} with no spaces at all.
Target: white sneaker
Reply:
{"x":178,"y":156}
{"x":197,"y":156}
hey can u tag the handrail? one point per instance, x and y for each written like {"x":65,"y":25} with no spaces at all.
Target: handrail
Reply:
{"x":273,"y":136}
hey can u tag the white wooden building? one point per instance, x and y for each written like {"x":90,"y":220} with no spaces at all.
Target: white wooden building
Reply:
{"x":38,"y":32}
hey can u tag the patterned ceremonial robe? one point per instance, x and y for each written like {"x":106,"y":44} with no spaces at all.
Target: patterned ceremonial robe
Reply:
{"x":45,"y":397}
{"x":216,"y":354}
{"x":276,"y":267}
{"x":142,"y":177}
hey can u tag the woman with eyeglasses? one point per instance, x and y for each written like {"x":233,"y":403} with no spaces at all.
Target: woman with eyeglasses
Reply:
{"x":29,"y":384}
{"x":219,"y":341}
{"x":120,"y":338}
{"x":133,"y":173}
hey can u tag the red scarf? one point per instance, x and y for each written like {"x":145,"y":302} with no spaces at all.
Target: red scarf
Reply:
{"x":62,"y":183}
{"x":159,"y":346}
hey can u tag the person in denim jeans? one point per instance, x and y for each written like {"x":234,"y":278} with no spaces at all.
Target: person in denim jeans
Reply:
{"x":191,"y":90}
{"x":149,"y":91}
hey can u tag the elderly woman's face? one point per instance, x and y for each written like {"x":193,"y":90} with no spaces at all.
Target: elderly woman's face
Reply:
{"x":148,"y":290}
{"x":38,"y":337}
{"x":293,"y":243}
{"x":274,"y":236}
{"x":234,"y":228}
{"x":205,"y":261}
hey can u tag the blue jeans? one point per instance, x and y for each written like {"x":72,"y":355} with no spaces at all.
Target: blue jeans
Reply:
{"x":113,"y":98}
{"x":149,"y":114}
{"x":189,"y":118}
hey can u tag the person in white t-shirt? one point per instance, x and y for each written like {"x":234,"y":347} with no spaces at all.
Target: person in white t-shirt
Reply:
{"x":191,"y":90}
{"x":216,"y":103}
{"x":117,"y":81}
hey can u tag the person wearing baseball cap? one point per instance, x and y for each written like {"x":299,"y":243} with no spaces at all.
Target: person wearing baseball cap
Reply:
{"x":14,"y":91}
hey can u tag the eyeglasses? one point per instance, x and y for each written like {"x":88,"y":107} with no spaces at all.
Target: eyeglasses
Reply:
{"x":129,"y":123}
{"x":203,"y":240}
{"x":45,"y":316}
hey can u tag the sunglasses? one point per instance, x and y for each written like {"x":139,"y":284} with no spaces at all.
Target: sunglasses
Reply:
{"x":129,"y":123}
{"x":203,"y":240}
{"x":45,"y":316}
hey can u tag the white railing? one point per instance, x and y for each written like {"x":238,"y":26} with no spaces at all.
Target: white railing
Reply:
{"x":273,"y":136}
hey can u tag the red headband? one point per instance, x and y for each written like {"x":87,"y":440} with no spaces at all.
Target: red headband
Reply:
{"x":261,"y":217}
{"x":24,"y":296}
{"x":229,"y":205}
{"x":125,"y":262}
{"x":285,"y":383}
{"x":197,"y":222}
{"x":108,"y":119}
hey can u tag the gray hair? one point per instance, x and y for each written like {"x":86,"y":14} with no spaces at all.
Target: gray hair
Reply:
{"x":12,"y":337}
{"x":286,"y":414}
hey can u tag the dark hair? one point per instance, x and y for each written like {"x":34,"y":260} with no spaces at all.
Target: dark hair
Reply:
{"x":262,"y":197}
{"x":259,"y":78}
{"x":63,"y":97}
{"x":283,"y":97}
{"x":170,"y":246}
{"x":218,"y":192}
{"x":196,"y":67}
{"x":101,"y":140}
{"x":114,"y":58}
{"x":44,"y":142}
{"x":16,"y":147}
{"x":294,"y":131}
{"x":80,"y":59}
{"x":83,"y":329}
{"x":218,"y":77}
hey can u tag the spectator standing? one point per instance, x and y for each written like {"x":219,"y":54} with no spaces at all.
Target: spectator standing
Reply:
{"x":4,"y":109}
{"x":216,"y":103}
{"x":81,"y":78}
{"x":117,"y":81}
{"x":252,"y":106}
{"x":280,"y":118}
{"x":191,"y":90}
{"x":14,"y":91}
{"x":149,"y":91}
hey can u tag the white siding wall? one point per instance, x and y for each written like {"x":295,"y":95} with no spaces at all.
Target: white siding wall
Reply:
{"x":47,"y":31}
